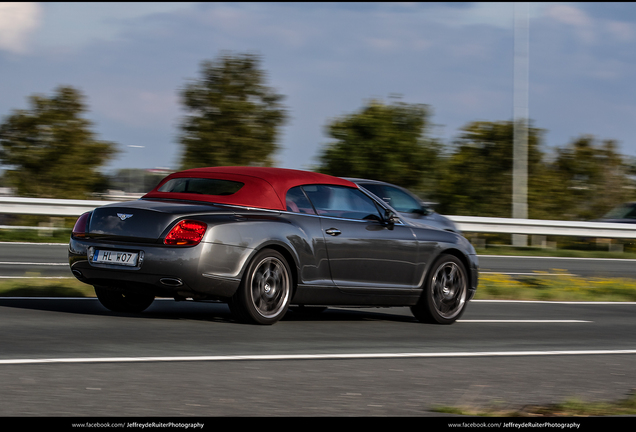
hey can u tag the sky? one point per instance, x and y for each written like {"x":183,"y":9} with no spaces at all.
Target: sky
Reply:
{"x":130,"y":60}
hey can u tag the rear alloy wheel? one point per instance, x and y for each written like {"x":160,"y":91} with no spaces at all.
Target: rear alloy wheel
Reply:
{"x":122,"y":301}
{"x":265,"y":291}
{"x":445,"y":292}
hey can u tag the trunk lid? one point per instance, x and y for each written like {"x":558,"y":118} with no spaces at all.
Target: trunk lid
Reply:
{"x":144,"y":220}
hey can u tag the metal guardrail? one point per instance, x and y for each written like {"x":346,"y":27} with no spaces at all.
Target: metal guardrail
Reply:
{"x":544,"y":227}
{"x":62,"y":207}
{"x":48,"y":207}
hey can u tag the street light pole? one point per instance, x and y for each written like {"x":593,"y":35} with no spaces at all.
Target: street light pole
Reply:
{"x":520,"y":118}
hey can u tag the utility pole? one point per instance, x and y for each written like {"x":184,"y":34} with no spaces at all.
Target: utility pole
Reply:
{"x":520,"y":118}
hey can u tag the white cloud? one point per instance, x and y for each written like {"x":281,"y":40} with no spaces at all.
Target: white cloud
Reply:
{"x":69,"y":25}
{"x":590,"y":30}
{"x":17,"y":21}
{"x":568,"y":14}
{"x":622,"y":31}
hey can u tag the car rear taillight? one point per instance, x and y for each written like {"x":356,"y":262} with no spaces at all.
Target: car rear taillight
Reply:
{"x":81,"y":226}
{"x":186,"y":233}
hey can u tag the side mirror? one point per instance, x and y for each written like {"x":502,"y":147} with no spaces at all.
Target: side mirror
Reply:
{"x":390,"y":218}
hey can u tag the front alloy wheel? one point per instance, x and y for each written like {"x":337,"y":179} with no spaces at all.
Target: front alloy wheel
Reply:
{"x":265,"y":290}
{"x":445,"y":293}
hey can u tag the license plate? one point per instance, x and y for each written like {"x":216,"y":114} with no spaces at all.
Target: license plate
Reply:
{"x":115,"y":257}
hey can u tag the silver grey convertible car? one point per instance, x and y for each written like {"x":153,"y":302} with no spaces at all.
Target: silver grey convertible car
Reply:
{"x":262,"y":239}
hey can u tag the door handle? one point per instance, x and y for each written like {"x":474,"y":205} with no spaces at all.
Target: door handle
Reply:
{"x":333,"y":232}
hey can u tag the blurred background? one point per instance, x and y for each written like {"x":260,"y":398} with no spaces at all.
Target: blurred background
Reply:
{"x":101,"y":100}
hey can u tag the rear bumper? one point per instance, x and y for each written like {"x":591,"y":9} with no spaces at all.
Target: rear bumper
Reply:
{"x":207,"y":270}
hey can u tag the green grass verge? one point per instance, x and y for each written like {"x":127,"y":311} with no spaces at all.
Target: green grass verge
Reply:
{"x":35,"y":287}
{"x":555,"y":288}
{"x":34,"y":236}
{"x":570,"y":408}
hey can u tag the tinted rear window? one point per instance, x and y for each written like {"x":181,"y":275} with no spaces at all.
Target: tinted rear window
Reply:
{"x":201,"y":186}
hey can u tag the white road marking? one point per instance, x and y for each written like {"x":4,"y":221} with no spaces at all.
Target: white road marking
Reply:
{"x":57,"y":298}
{"x":524,"y":321}
{"x":308,"y":357}
{"x":557,"y":302}
{"x":32,"y":263}
{"x":36,"y":277}
{"x":34,"y":243}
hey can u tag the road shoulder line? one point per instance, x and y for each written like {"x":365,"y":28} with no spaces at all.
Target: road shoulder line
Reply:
{"x":358,"y":356}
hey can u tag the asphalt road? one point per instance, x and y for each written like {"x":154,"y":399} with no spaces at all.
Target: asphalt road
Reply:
{"x":50,"y":260}
{"x":71,"y":357}
{"x":587,"y":267}
{"x":34,"y":259}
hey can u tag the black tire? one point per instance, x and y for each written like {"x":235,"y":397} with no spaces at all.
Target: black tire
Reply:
{"x":265,"y":292}
{"x":445,"y":292}
{"x":122,"y":301}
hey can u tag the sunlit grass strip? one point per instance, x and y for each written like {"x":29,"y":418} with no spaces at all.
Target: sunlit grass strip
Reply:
{"x":569,"y":408}
{"x":45,"y":287}
{"x":555,"y":288}
{"x":58,"y":236}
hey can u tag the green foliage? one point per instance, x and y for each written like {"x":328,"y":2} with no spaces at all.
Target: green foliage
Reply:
{"x":583,"y":181}
{"x":233,"y":117}
{"x":573,"y":407}
{"x":37,"y":236}
{"x":477,"y":178}
{"x":383,"y":142}
{"x":556,"y":286}
{"x":40,"y":287}
{"x":50,"y":149}
{"x":592,"y":177}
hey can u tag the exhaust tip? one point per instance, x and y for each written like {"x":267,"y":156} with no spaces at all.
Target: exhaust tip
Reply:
{"x":78,"y":274}
{"x":171,"y":282}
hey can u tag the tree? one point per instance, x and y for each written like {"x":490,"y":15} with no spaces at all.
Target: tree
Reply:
{"x":478,"y":173}
{"x":582,"y":180}
{"x":50,"y":149}
{"x":233,"y":117}
{"x":593,"y":178}
{"x":383,"y":142}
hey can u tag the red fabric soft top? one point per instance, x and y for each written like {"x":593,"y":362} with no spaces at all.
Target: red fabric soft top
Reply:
{"x":263,"y":187}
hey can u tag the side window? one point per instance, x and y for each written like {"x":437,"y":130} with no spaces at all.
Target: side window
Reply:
{"x":377,"y":190}
{"x":342,"y":202}
{"x":297,"y":202}
{"x":401,"y":201}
